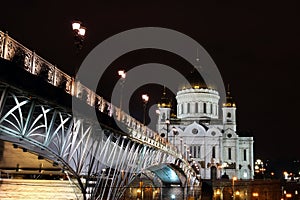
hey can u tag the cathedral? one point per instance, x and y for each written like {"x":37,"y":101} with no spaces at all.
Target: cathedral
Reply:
{"x":207,"y":138}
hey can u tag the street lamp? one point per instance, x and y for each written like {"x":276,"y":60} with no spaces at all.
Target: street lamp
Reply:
{"x":138,"y":193}
{"x":218,"y":194}
{"x":234,"y":178}
{"x":175,"y":132}
{"x":168,"y":124}
{"x":145,"y":98}
{"x":255,"y":195}
{"x":181,"y":149}
{"x":79,"y":34}
{"x":122,"y":75}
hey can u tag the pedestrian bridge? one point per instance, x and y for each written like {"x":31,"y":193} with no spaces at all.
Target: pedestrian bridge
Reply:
{"x":102,"y":161}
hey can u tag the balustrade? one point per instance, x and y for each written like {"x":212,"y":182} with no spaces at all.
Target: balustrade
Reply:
{"x":12,"y":50}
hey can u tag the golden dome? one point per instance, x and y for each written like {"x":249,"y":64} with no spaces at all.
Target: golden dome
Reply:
{"x":165,"y":102}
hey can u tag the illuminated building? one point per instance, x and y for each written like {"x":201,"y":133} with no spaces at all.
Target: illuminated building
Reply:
{"x":206,"y":135}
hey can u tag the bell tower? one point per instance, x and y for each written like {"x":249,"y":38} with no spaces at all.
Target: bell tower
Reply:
{"x":164,"y":112}
{"x":229,"y":112}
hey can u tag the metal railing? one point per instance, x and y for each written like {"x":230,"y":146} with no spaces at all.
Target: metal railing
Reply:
{"x":13,"y":51}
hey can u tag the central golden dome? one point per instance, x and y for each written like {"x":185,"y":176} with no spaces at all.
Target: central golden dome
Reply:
{"x":195,"y":81}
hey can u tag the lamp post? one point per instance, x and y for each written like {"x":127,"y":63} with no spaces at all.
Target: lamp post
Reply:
{"x":122,"y":75}
{"x":218,"y":194}
{"x":234,"y":178}
{"x":145,"y":98}
{"x":168,"y":124}
{"x":79,"y":34}
{"x":181,"y":149}
{"x":255,"y":195}
{"x":175,"y":132}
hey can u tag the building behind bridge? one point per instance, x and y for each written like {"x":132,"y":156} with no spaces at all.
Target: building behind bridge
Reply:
{"x":206,"y":137}
{"x":205,"y":132}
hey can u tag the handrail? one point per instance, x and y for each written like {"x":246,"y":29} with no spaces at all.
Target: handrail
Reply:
{"x":12,"y":50}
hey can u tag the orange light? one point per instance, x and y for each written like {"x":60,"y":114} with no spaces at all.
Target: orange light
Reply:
{"x":255,"y":194}
{"x":288,"y":195}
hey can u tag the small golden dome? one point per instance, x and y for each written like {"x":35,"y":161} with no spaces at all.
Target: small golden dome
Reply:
{"x":165,"y":102}
{"x":229,"y":100}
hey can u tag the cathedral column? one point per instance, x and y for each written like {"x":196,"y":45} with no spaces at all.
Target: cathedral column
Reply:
{"x":205,"y":158}
{"x":221,"y":159}
{"x":251,"y":159}
{"x":237,"y":157}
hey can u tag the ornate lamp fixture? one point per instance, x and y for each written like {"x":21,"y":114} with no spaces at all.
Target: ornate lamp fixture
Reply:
{"x":79,"y":32}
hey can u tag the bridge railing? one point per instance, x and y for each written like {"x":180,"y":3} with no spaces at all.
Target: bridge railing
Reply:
{"x":12,"y":50}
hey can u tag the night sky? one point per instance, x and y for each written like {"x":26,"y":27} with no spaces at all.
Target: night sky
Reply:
{"x":256,"y":47}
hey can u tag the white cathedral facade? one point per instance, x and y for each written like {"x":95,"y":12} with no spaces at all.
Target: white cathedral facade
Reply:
{"x":207,"y":138}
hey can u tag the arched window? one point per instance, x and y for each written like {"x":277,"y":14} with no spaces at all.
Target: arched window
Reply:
{"x":188,"y":108}
{"x":214,"y":152}
{"x":163,"y":117}
{"x":245,"y":154}
{"x":228,"y":115}
{"x":229,"y":153}
{"x":204,"y":107}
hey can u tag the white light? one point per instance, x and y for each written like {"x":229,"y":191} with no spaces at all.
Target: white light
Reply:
{"x":173,"y":196}
{"x":145,"y":97}
{"x":224,"y":164}
{"x":76,"y":25}
{"x":81,"y":31}
{"x":245,"y":174}
{"x":122,"y":73}
{"x":167,"y":121}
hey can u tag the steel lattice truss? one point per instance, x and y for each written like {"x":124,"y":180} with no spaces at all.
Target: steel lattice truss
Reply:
{"x":101,"y":157}
{"x":101,"y":160}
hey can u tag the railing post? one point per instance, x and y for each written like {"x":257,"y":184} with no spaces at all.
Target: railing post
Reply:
{"x":72,"y":87}
{"x":54,"y":76}
{"x":5,"y":49}
{"x":33,"y":63}
{"x":2,"y":44}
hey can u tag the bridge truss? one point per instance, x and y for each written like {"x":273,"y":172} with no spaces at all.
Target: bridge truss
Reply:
{"x":102,"y":160}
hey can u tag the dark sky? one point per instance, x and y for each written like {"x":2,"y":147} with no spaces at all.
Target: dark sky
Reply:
{"x":255,"y":45}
